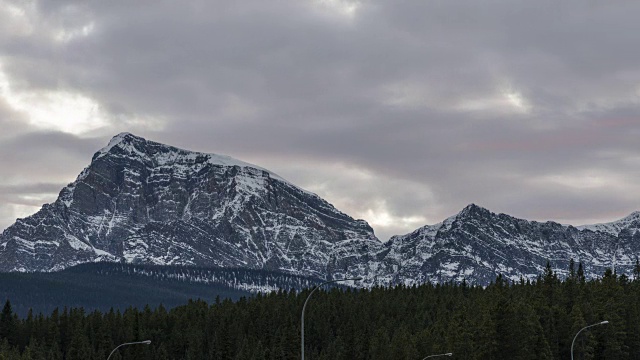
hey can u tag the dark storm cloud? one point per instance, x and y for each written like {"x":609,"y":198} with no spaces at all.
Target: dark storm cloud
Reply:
{"x":528,"y":108}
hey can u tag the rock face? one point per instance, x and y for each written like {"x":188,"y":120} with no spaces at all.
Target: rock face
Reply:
{"x":142,"y":202}
{"x":477,"y":245}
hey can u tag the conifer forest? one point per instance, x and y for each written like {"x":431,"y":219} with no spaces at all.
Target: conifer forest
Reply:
{"x":505,"y":320}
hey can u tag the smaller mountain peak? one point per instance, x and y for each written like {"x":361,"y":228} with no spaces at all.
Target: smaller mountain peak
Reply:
{"x":614,"y":227}
{"x":626,"y":220}
{"x":633,"y":215}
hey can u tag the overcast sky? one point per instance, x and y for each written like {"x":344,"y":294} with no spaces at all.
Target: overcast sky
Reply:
{"x":397,"y":112}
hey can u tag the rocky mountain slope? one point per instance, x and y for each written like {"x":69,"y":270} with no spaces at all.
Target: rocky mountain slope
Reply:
{"x":477,"y":244}
{"x":143,"y":202}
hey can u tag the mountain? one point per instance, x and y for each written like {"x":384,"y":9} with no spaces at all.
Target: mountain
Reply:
{"x":143,"y":202}
{"x":477,"y":245}
{"x":629,"y":223}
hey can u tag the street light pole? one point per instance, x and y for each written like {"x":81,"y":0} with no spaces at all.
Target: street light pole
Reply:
{"x":584,"y":328}
{"x":305,"y":306}
{"x":447,"y":354}
{"x":146,"y":342}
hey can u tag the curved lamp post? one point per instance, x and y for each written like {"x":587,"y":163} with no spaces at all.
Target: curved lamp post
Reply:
{"x":146,"y":342}
{"x":584,"y":328}
{"x":430,"y":356}
{"x":305,"y":306}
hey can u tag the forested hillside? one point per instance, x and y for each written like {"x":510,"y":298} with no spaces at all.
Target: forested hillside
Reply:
{"x":100,"y":286}
{"x":525,"y":320}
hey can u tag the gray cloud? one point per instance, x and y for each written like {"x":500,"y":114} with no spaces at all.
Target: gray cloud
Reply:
{"x":30,"y":195}
{"x":32,"y":157}
{"x":404,"y":111}
{"x":12,"y":122}
{"x":44,"y":156}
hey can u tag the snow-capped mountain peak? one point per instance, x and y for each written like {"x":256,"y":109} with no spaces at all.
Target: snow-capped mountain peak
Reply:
{"x":161,"y":154}
{"x":477,"y":245}
{"x":141,"y":201}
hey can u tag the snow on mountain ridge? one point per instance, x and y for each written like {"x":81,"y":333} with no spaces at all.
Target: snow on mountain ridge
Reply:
{"x":144,"y":202}
{"x":478,"y":244}
{"x":614,"y":227}
{"x":176,"y":156}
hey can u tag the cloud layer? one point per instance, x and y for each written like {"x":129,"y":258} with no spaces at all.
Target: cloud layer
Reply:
{"x":401,"y":113}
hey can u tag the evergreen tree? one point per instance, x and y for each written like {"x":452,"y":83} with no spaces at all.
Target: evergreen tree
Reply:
{"x":379,"y":345}
{"x":580,"y":273}
{"x":584,"y":343}
{"x":79,"y":347}
{"x":521,"y":320}
{"x":8,"y":325}
{"x":572,"y":269}
{"x":7,"y":352}
{"x":402,"y":346}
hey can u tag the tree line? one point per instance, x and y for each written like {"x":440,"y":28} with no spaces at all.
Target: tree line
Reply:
{"x":504,"y":320}
{"x":100,"y":286}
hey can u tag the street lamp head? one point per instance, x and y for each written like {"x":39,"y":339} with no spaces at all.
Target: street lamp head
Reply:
{"x":584,"y":328}
{"x":437,"y":355}
{"x":145,"y":342}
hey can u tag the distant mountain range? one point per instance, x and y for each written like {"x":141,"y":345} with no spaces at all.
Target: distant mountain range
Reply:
{"x":142,"y":202}
{"x":478,"y":244}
